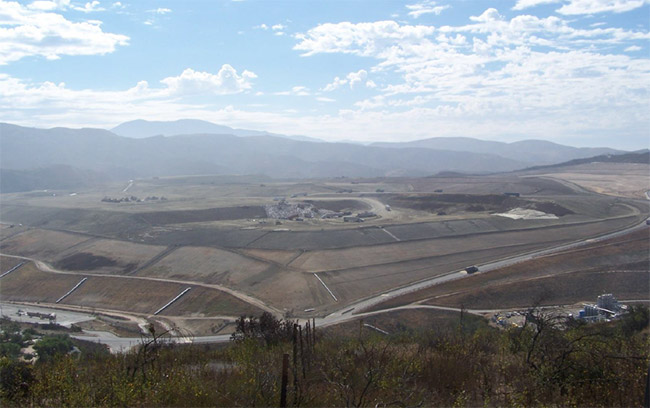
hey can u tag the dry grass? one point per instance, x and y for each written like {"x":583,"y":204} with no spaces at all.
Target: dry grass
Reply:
{"x":617,"y":179}
{"x":625,"y":252}
{"x":29,"y":284}
{"x":553,"y":290}
{"x":202,"y":326}
{"x":277,"y":256}
{"x":200,"y":302}
{"x":209,"y":265}
{"x":41,"y":244}
{"x":6,"y":263}
{"x":125,"y":256}
{"x":400,"y":321}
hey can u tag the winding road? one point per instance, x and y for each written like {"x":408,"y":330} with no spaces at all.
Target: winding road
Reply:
{"x":348,"y":312}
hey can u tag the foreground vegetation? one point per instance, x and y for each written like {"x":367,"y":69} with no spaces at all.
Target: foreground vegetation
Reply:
{"x":549,"y":361}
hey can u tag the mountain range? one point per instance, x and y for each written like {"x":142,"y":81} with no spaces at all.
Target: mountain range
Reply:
{"x":139,"y":149}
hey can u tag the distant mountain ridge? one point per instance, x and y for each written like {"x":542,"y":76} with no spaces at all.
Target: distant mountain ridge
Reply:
{"x":100,"y":150}
{"x":141,"y":128}
{"x":27,"y":153}
{"x":539,"y":152}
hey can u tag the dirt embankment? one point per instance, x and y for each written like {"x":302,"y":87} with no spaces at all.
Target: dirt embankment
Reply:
{"x":447,"y":203}
{"x":620,"y":265}
{"x":205,"y":215}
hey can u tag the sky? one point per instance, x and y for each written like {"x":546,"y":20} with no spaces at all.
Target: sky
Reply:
{"x":575,"y":72}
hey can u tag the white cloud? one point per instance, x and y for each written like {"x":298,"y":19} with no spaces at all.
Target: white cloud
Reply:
{"x":357,"y":77}
{"x":573,"y":7}
{"x":600,"y":6}
{"x":28,"y":32}
{"x":324,"y":99}
{"x":426,"y":7}
{"x":48,"y":5}
{"x":524,"y":4}
{"x":364,"y":39}
{"x":160,"y":10}
{"x":488,"y":15}
{"x":337,"y":83}
{"x":52,"y":5}
{"x":633,"y":48}
{"x":351,"y":79}
{"x":295,"y":91}
{"x":525,"y":67}
{"x":278,"y":29}
{"x":48,"y":105}
{"x":226,"y":81}
{"x":90,"y":7}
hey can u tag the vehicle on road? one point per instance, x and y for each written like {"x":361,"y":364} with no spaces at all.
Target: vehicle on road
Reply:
{"x":471,"y":269}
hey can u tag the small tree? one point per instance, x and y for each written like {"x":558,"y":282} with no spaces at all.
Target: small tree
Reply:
{"x":51,"y":346}
{"x":267,"y":327}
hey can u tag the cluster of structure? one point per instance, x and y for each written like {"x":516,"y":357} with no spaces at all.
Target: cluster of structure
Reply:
{"x":288,"y":211}
{"x":132,"y":199}
{"x":606,"y":307}
{"x":360,"y":217}
{"x":284,"y":210}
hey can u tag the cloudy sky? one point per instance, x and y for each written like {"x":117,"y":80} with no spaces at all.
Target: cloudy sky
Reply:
{"x":571,"y":71}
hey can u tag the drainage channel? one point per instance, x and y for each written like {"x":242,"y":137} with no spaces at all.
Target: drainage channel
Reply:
{"x":13,"y":269}
{"x":172,"y":301}
{"x":72,"y":290}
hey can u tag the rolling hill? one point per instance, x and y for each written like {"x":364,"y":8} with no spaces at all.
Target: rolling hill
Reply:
{"x":535,"y":152}
{"x":27,"y":153}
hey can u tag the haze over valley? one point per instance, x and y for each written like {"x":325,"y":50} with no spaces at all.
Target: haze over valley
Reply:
{"x":331,"y":203}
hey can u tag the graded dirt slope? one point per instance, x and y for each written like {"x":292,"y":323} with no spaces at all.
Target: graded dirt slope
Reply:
{"x":617,"y":179}
{"x":208,"y":302}
{"x":275,"y":256}
{"x":29,"y":284}
{"x":40,"y":244}
{"x":554,"y":290}
{"x":107,"y":256}
{"x":142,"y":296}
{"x":209,"y":265}
{"x":6,"y":263}
{"x":531,"y":278}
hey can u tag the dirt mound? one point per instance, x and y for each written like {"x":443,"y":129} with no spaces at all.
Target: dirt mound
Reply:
{"x":474,"y":203}
{"x":551,"y":208}
{"x":471,"y":202}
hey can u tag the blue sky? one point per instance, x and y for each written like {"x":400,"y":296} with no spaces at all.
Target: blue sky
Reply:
{"x":571,"y":71}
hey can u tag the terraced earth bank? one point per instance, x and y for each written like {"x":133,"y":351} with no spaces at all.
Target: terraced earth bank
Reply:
{"x":216,"y":239}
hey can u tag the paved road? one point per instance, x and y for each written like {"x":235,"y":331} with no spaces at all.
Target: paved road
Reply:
{"x":240,"y":295}
{"x":350,"y":311}
{"x":346,"y":313}
{"x":63,"y":317}
{"x":121,"y":344}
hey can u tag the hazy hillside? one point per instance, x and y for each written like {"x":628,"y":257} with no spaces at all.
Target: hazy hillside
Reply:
{"x":633,"y":157}
{"x":102,"y":151}
{"x":535,"y":152}
{"x":142,"y":128}
{"x":57,"y":177}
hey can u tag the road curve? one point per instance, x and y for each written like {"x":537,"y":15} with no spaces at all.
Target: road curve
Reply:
{"x":242,"y":296}
{"x":346,"y":314}
{"x":349,"y":312}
